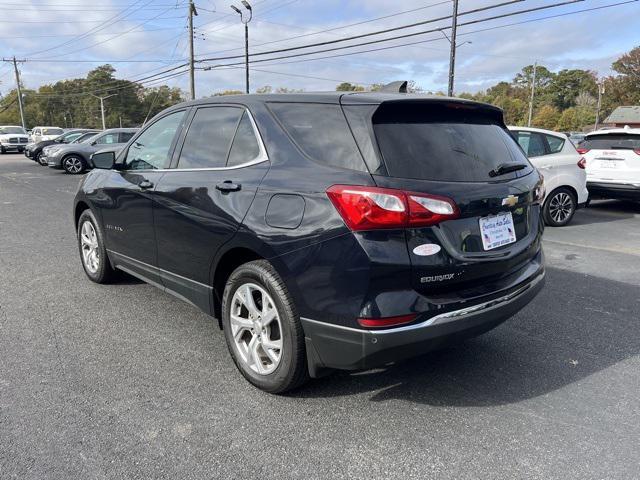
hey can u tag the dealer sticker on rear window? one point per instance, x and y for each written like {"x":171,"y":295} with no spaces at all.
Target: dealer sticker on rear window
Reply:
{"x":497,"y":230}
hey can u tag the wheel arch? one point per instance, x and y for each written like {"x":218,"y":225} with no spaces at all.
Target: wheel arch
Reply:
{"x":80,"y":207}
{"x":226,"y":264}
{"x":571,"y":189}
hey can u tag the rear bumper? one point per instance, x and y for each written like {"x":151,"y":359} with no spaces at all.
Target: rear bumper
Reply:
{"x":614,"y":190}
{"x":337,"y":347}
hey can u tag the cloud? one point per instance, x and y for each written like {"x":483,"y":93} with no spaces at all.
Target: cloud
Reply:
{"x":575,"y":41}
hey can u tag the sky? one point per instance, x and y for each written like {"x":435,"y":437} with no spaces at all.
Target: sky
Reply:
{"x":62,"y":39}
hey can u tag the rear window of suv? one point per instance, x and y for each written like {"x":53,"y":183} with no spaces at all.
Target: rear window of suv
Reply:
{"x":444,"y":143}
{"x":612,"y":141}
{"x":321,"y":132}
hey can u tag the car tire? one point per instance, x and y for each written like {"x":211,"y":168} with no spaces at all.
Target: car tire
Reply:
{"x":270,"y":355}
{"x":38,"y":159}
{"x":93,"y":253}
{"x":559,"y":207}
{"x":73,"y":164}
{"x":3,"y":150}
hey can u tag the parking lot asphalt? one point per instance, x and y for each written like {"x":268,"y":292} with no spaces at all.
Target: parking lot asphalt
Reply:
{"x":125,"y":381}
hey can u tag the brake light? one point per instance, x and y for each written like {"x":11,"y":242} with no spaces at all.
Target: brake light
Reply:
{"x":386,"y":321}
{"x":582,"y":163}
{"x":371,"y":208}
{"x":582,"y":150}
{"x":540,"y":191}
{"x":636,"y":150}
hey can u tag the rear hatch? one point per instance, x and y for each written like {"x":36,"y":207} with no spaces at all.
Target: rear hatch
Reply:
{"x":612,"y":157}
{"x":460,"y":151}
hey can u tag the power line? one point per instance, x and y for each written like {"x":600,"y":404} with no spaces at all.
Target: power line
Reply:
{"x":318,"y":32}
{"x":371,"y":42}
{"x":378,"y":32}
{"x":428,"y":40}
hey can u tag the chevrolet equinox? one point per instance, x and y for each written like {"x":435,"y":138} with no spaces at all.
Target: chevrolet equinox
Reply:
{"x":324,"y":231}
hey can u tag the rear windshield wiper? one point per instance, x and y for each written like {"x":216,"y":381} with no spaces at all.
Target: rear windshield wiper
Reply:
{"x":507,"y":168}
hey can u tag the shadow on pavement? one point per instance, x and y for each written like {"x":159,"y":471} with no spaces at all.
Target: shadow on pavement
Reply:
{"x":570,"y":331}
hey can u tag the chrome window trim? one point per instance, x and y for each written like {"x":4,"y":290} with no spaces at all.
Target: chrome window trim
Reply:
{"x":262,"y":156}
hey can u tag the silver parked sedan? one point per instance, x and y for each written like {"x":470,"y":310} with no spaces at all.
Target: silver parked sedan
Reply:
{"x":75,"y":158}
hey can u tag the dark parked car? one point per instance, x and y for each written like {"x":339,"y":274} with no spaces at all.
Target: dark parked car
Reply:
{"x":324,"y":231}
{"x":34,"y":150}
{"x":75,"y":158}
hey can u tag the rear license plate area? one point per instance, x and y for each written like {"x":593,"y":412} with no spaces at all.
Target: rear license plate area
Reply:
{"x":497,"y":230}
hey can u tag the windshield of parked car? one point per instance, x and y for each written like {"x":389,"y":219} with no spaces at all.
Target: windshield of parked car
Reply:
{"x":612,"y":141}
{"x":12,"y":130}
{"x":52,"y":131}
{"x":85,"y":137}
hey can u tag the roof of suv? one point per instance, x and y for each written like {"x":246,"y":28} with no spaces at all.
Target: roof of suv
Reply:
{"x":371,"y":98}
{"x":609,"y":131}
{"x":538,"y":130}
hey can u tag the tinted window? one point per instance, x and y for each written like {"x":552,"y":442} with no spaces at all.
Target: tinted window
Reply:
{"x":107,"y":139}
{"x":126,"y":136}
{"x":442,"y":143}
{"x":151,"y":149}
{"x":209,"y":137}
{"x":532,"y":143}
{"x":245,"y":145}
{"x":555,"y":143}
{"x":612,"y":141}
{"x":321,"y":132}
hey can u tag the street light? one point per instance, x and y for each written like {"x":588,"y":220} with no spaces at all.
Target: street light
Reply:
{"x":245,"y":20}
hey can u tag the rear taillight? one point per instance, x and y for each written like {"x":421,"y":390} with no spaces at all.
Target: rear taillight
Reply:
{"x":582,"y":163}
{"x":540,"y":191}
{"x":636,"y":150}
{"x":582,"y":151}
{"x":371,"y":208}
{"x":386,"y":322}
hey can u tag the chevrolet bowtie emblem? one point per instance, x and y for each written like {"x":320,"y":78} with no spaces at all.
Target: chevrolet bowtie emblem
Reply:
{"x":510,"y":201}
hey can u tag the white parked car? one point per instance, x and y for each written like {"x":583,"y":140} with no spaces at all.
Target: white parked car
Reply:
{"x":12,"y":137}
{"x":613,"y":163}
{"x":563,"y":168}
{"x":45,"y":133}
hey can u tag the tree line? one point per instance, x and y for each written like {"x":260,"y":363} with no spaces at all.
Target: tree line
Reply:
{"x":564,"y":100}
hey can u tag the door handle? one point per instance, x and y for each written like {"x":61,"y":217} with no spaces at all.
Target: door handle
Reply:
{"x":145,"y":184}
{"x":228,"y":186}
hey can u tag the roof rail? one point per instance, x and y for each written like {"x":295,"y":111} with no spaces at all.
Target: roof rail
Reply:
{"x":395,"y":87}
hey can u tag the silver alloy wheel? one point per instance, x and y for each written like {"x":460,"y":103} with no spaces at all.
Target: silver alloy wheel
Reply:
{"x":256,"y":328}
{"x":89,"y":244}
{"x":73,"y":164}
{"x":560,"y":207}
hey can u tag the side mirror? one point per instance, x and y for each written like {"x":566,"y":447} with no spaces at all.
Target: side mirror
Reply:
{"x":104,"y":160}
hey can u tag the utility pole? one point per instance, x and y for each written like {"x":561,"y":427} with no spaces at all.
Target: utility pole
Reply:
{"x":19,"y":89}
{"x":533,"y":93}
{"x":452,"y":56}
{"x":192,"y":80}
{"x":102,"y":99}
{"x":600,"y":93}
{"x":245,"y":21}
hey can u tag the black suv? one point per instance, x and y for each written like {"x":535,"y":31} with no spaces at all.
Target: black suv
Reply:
{"x":324,"y":231}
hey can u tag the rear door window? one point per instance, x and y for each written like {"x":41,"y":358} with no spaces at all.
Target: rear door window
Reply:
{"x":209,"y":137}
{"x":555,"y":143}
{"x":435,"y":142}
{"x":532,"y":143}
{"x":321,"y":132}
{"x":612,"y":141}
